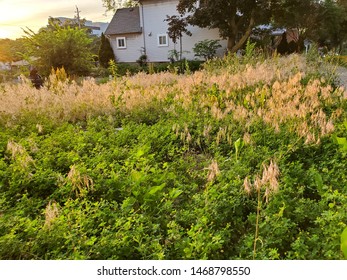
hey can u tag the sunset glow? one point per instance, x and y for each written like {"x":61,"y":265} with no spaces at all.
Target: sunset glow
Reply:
{"x":18,"y":14}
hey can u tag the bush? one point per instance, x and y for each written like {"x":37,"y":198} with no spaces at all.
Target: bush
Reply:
{"x":206,"y":49}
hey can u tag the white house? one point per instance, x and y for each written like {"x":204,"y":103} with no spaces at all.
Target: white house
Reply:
{"x":143,"y":30}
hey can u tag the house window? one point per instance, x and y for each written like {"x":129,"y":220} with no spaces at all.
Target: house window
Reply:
{"x":163,"y":40}
{"x":121,"y":43}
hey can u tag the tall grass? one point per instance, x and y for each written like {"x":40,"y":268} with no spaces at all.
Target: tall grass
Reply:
{"x":277,"y":90}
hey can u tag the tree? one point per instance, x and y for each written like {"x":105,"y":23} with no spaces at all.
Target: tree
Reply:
{"x":53,"y":23}
{"x":332,"y":30}
{"x":234,"y":19}
{"x":177,"y":27}
{"x":302,"y":15}
{"x":60,"y":47}
{"x":5,"y":50}
{"x":112,"y":5}
{"x":320,"y":20}
{"x":10,"y":50}
{"x":105,"y":52}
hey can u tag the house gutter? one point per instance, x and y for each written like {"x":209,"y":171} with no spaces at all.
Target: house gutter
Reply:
{"x":143,"y":29}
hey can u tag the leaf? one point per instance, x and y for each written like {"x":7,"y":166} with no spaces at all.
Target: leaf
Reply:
{"x":317,"y":179}
{"x":128,"y":203}
{"x":238,"y":145}
{"x":280,"y":213}
{"x":137,"y":176}
{"x":341,"y":141}
{"x":140,"y":153}
{"x":91,"y":241}
{"x":174,"y":193}
{"x":156,"y":189}
{"x":344,"y":243}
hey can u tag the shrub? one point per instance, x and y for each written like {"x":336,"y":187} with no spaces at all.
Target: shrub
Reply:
{"x":206,"y":49}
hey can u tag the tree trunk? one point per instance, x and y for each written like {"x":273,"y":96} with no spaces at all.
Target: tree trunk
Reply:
{"x":181,"y":48}
{"x":234,"y":46}
{"x":243,"y":39}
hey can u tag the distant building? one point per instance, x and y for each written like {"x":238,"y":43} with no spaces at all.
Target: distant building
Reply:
{"x":96,"y":28}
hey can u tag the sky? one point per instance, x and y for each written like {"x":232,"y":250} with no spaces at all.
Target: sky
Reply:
{"x":18,"y":14}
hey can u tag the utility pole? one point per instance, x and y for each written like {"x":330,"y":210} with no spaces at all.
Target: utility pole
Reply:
{"x":78,"y":17}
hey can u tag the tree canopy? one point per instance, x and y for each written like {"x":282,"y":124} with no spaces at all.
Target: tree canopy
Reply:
{"x":234,"y":19}
{"x":177,"y":26}
{"x":112,"y":5}
{"x":60,"y":46}
{"x":332,"y":30}
{"x":10,"y":50}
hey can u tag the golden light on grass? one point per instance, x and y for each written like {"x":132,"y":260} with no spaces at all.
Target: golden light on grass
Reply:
{"x":271,"y":90}
{"x":213,"y":171}
{"x":247,"y":186}
{"x":20,"y":155}
{"x":15,"y":149}
{"x":264,"y":186}
{"x":81,"y":184}
{"x":268,"y":181}
{"x":51,"y":213}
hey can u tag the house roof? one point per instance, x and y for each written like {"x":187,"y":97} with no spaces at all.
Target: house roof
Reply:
{"x":124,"y":21}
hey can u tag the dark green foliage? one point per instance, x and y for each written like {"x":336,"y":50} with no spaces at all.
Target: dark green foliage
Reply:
{"x":142,"y":61}
{"x":105,"y":52}
{"x":177,"y":26}
{"x":206,"y":49}
{"x":234,"y":19}
{"x":333,"y":24}
{"x":124,"y":69}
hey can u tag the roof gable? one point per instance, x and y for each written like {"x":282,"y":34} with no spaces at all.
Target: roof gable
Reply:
{"x":124,"y":21}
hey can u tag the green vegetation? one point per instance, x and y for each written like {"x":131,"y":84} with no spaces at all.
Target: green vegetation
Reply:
{"x":206,"y":49}
{"x":10,"y":50}
{"x":105,"y":51}
{"x":244,"y":159}
{"x":59,"y":46}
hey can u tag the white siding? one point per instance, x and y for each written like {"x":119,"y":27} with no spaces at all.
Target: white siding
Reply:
{"x":154,"y":14}
{"x":133,"y":49}
{"x":199,"y":34}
